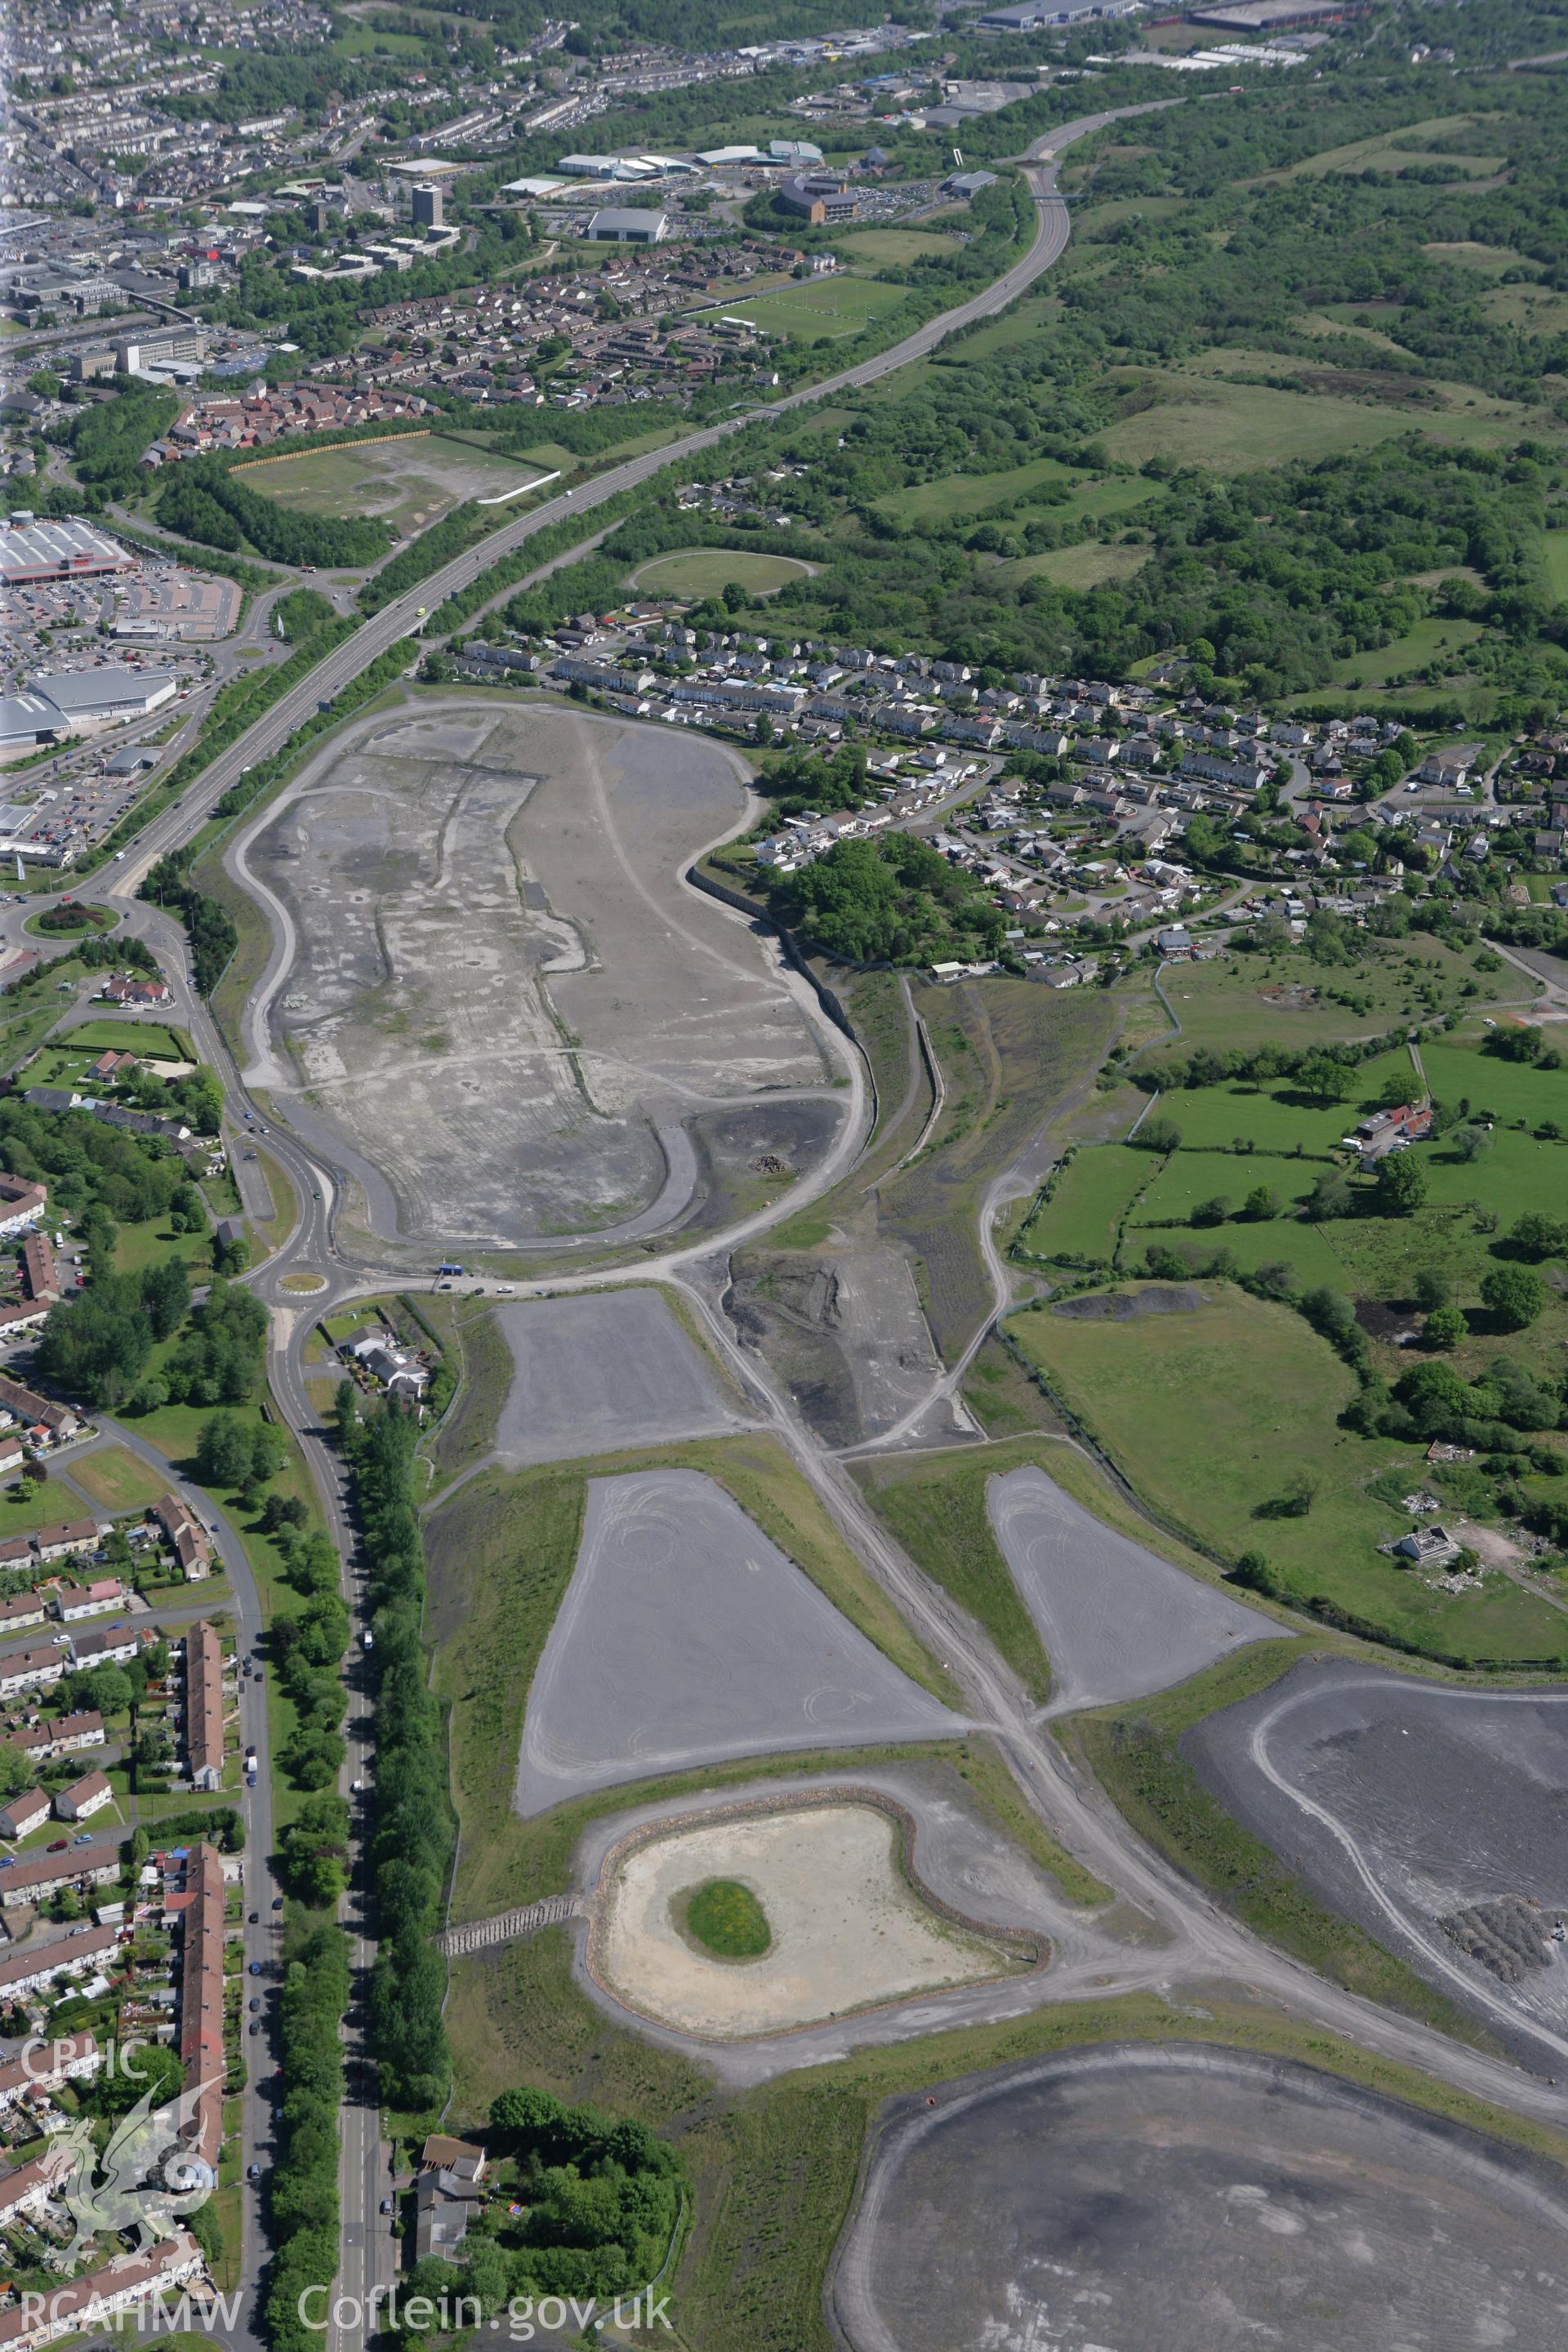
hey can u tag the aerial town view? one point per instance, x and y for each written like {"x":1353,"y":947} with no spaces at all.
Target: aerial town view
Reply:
{"x":784,"y":1176}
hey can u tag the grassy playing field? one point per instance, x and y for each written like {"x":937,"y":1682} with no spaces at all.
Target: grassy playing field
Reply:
{"x":1213,"y":1414}
{"x":408,"y":482}
{"x":820,"y":309}
{"x":708,"y":570}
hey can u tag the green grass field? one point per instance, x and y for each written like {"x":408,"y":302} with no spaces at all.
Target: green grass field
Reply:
{"x":876,"y":248}
{"x":1395,"y":151}
{"x":1466,"y":254}
{"x":1305,"y":1248}
{"x":409,"y":481}
{"x":1557,"y":564}
{"x":1090,"y":1198}
{"x":708,"y":570}
{"x":1431,"y":640}
{"x":129,"y":1036}
{"x":1246,"y":1000}
{"x":958,"y":494}
{"x":1089,"y":565}
{"x":1277,"y":1117}
{"x":119,"y":1480}
{"x":820,"y":309}
{"x":1212,"y":1415}
{"x":360,"y":41}
{"x":1234,"y":427}
{"x":22,"y":1508}
{"x":1459,"y":1071}
{"x":1536,"y":308}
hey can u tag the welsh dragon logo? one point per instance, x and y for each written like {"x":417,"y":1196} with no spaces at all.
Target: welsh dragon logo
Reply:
{"x":146,"y":2177}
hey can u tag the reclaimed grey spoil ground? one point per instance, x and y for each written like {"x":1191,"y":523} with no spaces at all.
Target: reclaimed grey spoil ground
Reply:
{"x":1118,"y":1622}
{"x":687,"y":1638}
{"x":1191,"y":2199}
{"x":596,"y":1373}
{"x":1444,"y":1797}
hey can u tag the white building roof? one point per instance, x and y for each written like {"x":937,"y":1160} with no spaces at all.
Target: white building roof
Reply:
{"x":81,"y":693}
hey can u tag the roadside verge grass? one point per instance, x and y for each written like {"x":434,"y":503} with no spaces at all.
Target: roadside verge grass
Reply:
{"x":935,"y":1504}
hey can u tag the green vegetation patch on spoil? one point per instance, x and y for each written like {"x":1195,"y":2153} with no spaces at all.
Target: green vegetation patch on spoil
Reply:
{"x":936,"y":1507}
{"x":1133,"y":1753}
{"x":725,"y":1918}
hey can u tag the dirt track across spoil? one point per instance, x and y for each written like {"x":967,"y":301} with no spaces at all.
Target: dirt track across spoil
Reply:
{"x":686,"y":1637}
{"x":1435,"y":1818}
{"x":1192,"y":2200}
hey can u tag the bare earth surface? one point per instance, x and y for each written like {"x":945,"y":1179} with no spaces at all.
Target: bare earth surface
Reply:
{"x":1118,"y":1622}
{"x":1435,"y":1818}
{"x":1134,"y":2200}
{"x":686,"y":1637}
{"x":500,"y":1003}
{"x":848,"y":1929}
{"x":962,"y":1855}
{"x":599,"y":1371}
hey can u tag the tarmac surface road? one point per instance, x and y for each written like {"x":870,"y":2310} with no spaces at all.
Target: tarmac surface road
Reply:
{"x":1199,"y":1944}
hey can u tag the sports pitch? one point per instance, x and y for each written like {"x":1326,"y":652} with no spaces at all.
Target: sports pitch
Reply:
{"x":821,"y":310}
{"x":708,"y":570}
{"x":409,"y":481}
